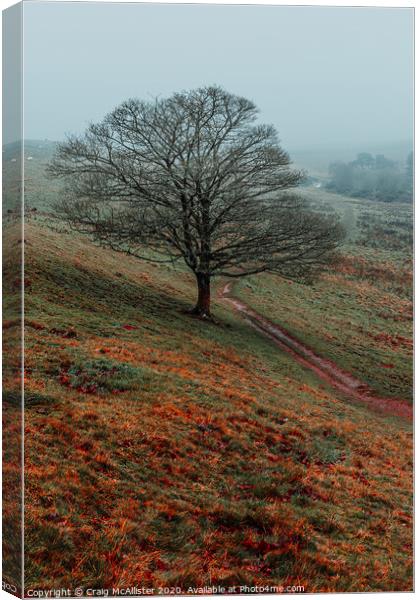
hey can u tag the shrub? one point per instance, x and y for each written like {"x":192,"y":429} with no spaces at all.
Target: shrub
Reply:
{"x":101,"y":375}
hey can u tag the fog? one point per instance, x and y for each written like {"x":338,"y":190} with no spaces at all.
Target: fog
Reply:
{"x":325,"y":77}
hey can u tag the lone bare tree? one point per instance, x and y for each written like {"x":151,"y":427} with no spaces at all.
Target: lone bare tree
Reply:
{"x":193,"y":177}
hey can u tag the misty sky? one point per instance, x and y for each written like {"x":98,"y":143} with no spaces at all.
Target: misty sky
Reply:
{"x":320,"y":75}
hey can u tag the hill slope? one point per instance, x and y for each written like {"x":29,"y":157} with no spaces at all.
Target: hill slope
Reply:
{"x":164,"y":451}
{"x":40,"y":192}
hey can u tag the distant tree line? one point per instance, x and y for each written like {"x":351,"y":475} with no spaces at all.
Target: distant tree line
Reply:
{"x":373,"y":177}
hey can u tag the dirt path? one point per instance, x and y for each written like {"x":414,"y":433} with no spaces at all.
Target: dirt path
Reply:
{"x":325,"y":369}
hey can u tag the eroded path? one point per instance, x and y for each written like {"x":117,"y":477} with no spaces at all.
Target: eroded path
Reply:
{"x":325,"y":369}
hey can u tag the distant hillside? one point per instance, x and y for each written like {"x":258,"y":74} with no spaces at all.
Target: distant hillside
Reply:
{"x":35,"y":149}
{"x":39,"y":190}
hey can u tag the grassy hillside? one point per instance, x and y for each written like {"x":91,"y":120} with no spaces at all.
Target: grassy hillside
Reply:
{"x":165,"y":451}
{"x":40,"y":192}
{"x":359,"y":315}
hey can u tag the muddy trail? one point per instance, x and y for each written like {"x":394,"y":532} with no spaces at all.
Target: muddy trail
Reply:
{"x":325,"y":369}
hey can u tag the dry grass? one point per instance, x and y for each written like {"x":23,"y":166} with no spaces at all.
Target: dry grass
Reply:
{"x":214,"y":460}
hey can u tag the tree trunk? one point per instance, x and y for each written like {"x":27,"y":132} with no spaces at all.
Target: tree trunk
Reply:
{"x":202,"y":307}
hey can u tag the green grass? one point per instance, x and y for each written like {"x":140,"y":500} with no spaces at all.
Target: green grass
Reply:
{"x":357,"y":324}
{"x":359,"y":314}
{"x":101,"y":376}
{"x":171,"y":451}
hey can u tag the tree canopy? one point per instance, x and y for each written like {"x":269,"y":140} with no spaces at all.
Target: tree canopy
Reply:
{"x":193,"y":177}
